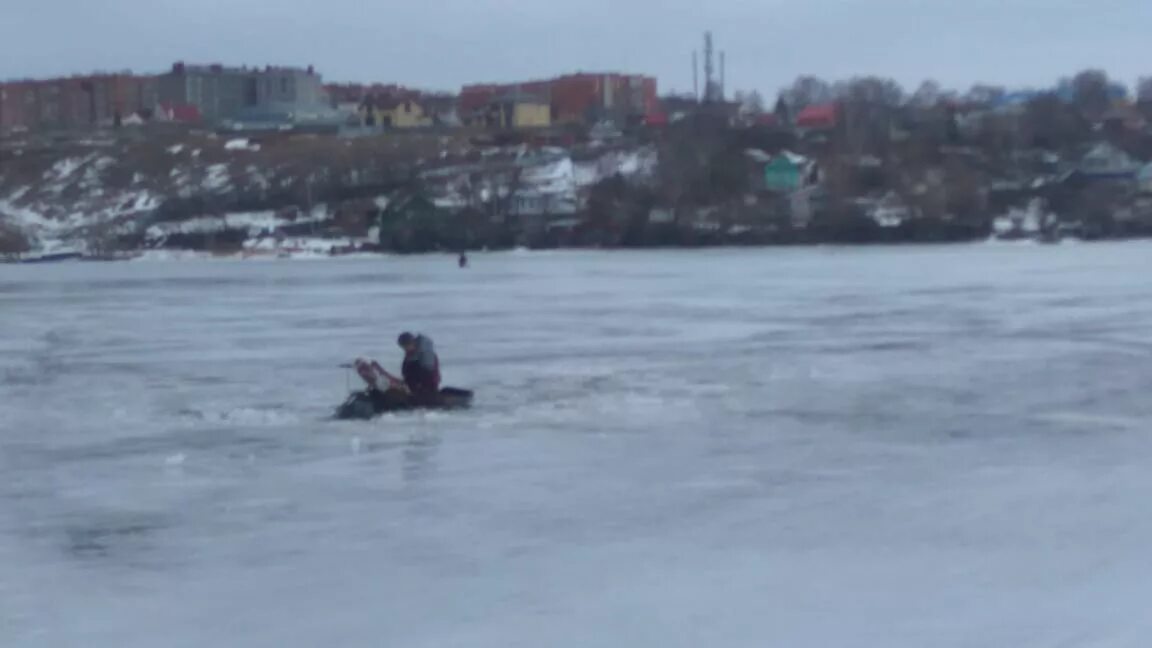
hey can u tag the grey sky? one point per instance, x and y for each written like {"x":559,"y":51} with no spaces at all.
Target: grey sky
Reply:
{"x":445,"y":43}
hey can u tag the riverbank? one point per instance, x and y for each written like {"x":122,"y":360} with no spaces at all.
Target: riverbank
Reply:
{"x":695,"y":183}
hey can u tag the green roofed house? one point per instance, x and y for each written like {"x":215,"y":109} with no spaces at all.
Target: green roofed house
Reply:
{"x":784,"y":172}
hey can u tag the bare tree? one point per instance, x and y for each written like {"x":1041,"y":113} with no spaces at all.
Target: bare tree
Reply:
{"x":807,"y":91}
{"x":1050,"y":123}
{"x":12,"y":240}
{"x":927,"y":95}
{"x":870,"y":90}
{"x":751,"y":103}
{"x":1144,"y":89}
{"x":1090,"y":90}
{"x":868,"y":106}
{"x":755,"y":102}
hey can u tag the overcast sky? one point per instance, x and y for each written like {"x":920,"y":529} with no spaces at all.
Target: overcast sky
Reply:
{"x":441,"y":44}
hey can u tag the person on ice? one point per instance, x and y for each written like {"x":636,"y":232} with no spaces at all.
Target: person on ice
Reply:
{"x":420,"y":371}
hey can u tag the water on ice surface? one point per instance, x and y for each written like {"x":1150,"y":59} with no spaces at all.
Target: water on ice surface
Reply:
{"x":804,"y":448}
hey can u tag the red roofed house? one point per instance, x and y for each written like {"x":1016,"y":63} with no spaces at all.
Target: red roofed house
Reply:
{"x":177,"y":112}
{"x":817,"y":117}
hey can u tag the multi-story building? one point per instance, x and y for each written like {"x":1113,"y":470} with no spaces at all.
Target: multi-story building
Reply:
{"x":575,"y":98}
{"x":221,"y":93}
{"x":215,"y":91}
{"x":74,"y":102}
{"x":13,"y":106}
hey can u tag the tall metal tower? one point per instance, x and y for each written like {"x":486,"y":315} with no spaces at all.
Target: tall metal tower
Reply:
{"x":695,"y":77}
{"x":709,"y":81}
{"x":723,"y":78}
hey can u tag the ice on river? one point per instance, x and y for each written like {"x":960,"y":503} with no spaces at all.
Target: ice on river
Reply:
{"x":802,"y":447}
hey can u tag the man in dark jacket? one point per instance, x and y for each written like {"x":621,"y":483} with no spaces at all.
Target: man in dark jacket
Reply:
{"x":421,"y":368}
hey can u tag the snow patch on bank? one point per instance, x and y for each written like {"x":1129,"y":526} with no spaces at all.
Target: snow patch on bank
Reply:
{"x":216,"y":178}
{"x":255,"y":223}
{"x":241,"y":144}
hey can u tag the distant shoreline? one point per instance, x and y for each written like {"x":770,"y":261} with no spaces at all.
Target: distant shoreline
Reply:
{"x":176,"y":256}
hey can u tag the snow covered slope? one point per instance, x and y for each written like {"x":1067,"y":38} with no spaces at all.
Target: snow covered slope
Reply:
{"x":82,"y":194}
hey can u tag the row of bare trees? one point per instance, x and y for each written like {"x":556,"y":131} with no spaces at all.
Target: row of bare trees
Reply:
{"x":1090,"y":90}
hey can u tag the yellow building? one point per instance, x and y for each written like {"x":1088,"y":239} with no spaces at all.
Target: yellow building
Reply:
{"x":396,"y":113}
{"x":513,"y":111}
{"x":525,"y":112}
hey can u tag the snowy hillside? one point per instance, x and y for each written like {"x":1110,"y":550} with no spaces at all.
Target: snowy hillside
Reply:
{"x":96,"y":195}
{"x":92,"y":194}
{"x":550,"y":176}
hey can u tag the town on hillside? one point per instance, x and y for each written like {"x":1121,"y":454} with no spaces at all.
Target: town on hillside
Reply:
{"x":266,"y":160}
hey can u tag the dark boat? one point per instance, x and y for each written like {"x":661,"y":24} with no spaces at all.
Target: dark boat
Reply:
{"x":370,"y":403}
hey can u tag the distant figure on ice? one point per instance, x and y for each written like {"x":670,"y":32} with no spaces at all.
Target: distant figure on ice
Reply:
{"x":463,"y":261}
{"x":420,"y":371}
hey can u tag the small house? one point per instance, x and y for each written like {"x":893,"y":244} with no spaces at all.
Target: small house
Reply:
{"x":1105,"y":161}
{"x":533,"y":202}
{"x":819,"y":117}
{"x":785,"y":172}
{"x":395,"y":112}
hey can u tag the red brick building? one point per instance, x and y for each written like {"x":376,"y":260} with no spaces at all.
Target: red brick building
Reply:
{"x":13,"y":98}
{"x":74,"y":102}
{"x":576,"y":98}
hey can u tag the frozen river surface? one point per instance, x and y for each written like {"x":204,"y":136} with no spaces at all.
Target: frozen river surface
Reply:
{"x":804,"y":448}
